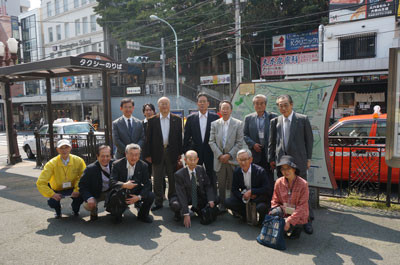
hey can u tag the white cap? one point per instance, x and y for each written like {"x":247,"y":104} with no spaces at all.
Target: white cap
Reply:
{"x":63,"y":142}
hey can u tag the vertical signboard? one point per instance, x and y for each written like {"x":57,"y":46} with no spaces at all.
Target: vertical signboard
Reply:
{"x":392,"y":155}
{"x":15,"y":27}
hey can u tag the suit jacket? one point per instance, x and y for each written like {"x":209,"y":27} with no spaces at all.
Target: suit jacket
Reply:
{"x":119,"y":175}
{"x":260,"y":184}
{"x":251,"y":133}
{"x":154,"y":147}
{"x":121,"y":137}
{"x":192,"y":136}
{"x":183,"y":186}
{"x":300,"y":143}
{"x":91,"y":183}
{"x":234,"y":140}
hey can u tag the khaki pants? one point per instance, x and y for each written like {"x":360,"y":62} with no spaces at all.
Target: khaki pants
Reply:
{"x":100,"y":199}
{"x":224,"y":176}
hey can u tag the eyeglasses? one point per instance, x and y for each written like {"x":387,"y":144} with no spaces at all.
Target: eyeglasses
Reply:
{"x":283,"y":106}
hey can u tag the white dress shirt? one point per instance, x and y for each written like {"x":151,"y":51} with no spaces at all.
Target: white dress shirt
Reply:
{"x":106,"y":181}
{"x":225,"y":128}
{"x":247,"y":178}
{"x":203,"y":124}
{"x":131,"y":170}
{"x":164,"y":121}
{"x":284,"y":124}
{"x":126,"y":121}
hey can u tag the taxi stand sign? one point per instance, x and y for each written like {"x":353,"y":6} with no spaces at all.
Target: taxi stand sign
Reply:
{"x":392,"y":155}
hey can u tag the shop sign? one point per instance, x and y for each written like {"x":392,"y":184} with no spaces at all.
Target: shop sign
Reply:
{"x":68,"y":80}
{"x":379,"y":8}
{"x":97,"y":64}
{"x":133,"y":90}
{"x":295,"y":42}
{"x":274,"y":65}
{"x":347,"y":80}
{"x":73,"y":45}
{"x":215,"y":79}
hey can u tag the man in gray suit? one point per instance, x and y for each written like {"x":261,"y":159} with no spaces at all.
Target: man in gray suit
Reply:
{"x":256,"y":133}
{"x":291,"y":134}
{"x":127,"y":129}
{"x":226,"y":139}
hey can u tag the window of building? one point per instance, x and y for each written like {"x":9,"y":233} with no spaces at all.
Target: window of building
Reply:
{"x":93,"y":23}
{"x":357,"y":47}
{"x":77,"y":27}
{"x":29,"y":39}
{"x":78,"y":50}
{"x":59,"y":54}
{"x":52,"y":55}
{"x":58,"y":32}
{"x":86,"y":48}
{"x":84,"y":2}
{"x":85,"y":25}
{"x":65,"y":5}
{"x":76,"y":3}
{"x":50,"y":34}
{"x":94,"y":47}
{"x":57,"y":6}
{"x":91,"y":1}
{"x":49,"y":11}
{"x":66,"y":30}
{"x":68,"y":53}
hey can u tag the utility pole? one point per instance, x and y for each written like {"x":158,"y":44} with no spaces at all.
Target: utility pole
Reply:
{"x":163,"y":67}
{"x":238,"y":40}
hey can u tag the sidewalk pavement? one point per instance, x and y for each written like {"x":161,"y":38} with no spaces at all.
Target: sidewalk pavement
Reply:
{"x":30,"y":234}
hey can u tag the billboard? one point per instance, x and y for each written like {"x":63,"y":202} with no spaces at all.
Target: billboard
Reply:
{"x":351,"y":10}
{"x":274,"y":65}
{"x":215,"y":79}
{"x":295,"y":42}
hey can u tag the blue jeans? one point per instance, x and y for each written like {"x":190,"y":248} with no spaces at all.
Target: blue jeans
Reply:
{"x":56,"y":205}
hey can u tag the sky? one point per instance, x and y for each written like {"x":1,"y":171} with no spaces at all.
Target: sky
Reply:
{"x":34,"y":4}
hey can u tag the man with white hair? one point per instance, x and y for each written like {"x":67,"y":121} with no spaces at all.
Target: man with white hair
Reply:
{"x":250,"y":184}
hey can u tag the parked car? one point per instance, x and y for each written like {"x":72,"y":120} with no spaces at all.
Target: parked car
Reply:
{"x":367,"y":156}
{"x":76,"y":132}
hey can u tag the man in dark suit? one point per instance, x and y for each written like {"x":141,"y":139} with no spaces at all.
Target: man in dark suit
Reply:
{"x":127,"y":129}
{"x":256,"y":133}
{"x":131,"y":173}
{"x":197,"y":136}
{"x":95,"y":181}
{"x":250,"y":183}
{"x":148,"y":111}
{"x":291,"y":134}
{"x":163,"y":148}
{"x":193,"y":187}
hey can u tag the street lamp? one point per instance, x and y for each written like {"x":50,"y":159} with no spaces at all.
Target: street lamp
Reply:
{"x":11,"y":49}
{"x":154,"y":17}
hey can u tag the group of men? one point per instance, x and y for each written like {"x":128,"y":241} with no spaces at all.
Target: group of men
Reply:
{"x":228,"y":163}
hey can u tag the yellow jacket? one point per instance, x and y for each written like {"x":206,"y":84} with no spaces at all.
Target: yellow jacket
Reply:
{"x":56,"y":173}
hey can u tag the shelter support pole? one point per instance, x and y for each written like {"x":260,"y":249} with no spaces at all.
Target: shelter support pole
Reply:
{"x":13,"y":151}
{"x":107,"y":108}
{"x":50,"y":117}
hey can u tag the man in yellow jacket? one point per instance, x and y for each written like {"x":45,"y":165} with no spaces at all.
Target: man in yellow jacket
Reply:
{"x":60,"y":178}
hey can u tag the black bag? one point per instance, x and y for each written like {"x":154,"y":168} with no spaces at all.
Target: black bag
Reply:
{"x":272,"y":232}
{"x":116,"y":204}
{"x":208,"y":215}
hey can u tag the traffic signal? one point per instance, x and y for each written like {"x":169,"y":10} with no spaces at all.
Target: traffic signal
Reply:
{"x":138,"y":59}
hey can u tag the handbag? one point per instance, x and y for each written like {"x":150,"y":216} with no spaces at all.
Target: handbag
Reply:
{"x":272,"y":232}
{"x":116,"y":201}
{"x":208,"y":215}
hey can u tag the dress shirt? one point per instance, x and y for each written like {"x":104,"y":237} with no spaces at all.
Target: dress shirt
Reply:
{"x":131,"y":170}
{"x":247,"y":178}
{"x":225,"y":128}
{"x":65,"y":162}
{"x":290,"y":122}
{"x":126,"y":121}
{"x":165,"y":127}
{"x":190,"y":174}
{"x":145,"y":120}
{"x":106,"y":180}
{"x":203,"y":124}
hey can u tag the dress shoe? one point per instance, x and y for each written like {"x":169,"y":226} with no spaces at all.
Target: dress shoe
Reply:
{"x":156,"y":207}
{"x":148,"y":219}
{"x":75,"y":214}
{"x":93,"y":217}
{"x":57,"y":216}
{"x":222,"y":209}
{"x":308,"y":228}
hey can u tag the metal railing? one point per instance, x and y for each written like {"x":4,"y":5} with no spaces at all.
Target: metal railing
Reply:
{"x":83,"y":145}
{"x":359,"y":167}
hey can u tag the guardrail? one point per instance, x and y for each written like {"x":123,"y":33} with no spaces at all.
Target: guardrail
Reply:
{"x":359,"y":167}
{"x":83,"y":145}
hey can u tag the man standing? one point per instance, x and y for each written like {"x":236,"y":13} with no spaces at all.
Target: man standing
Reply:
{"x":193,"y":187}
{"x":291,"y":134}
{"x":256,"y":133}
{"x":197,"y":136}
{"x":226,"y":138}
{"x":127,"y":129}
{"x":163,"y":148}
{"x":60,"y":178}
{"x":250,"y":183}
{"x":131,"y":173}
{"x":95,"y":182}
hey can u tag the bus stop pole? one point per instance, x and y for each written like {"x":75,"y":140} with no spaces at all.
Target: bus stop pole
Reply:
{"x":50,"y":117}
{"x":106,"y":108}
{"x":388,"y":186}
{"x":13,"y":152}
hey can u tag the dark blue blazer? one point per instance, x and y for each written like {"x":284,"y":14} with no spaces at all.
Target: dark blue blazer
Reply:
{"x":260,"y":184}
{"x":91,"y":182}
{"x":192,"y":136}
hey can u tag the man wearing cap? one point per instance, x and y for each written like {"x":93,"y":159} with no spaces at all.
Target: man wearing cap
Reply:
{"x":60,"y":178}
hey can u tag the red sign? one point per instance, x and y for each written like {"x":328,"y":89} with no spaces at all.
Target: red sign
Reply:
{"x":274,"y":65}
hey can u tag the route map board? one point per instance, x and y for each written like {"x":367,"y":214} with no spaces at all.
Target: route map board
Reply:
{"x":313,"y":98}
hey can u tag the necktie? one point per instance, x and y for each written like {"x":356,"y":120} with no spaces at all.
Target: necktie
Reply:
{"x":129,"y":127}
{"x":194,"y":191}
{"x":224,"y":133}
{"x":287,"y":133}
